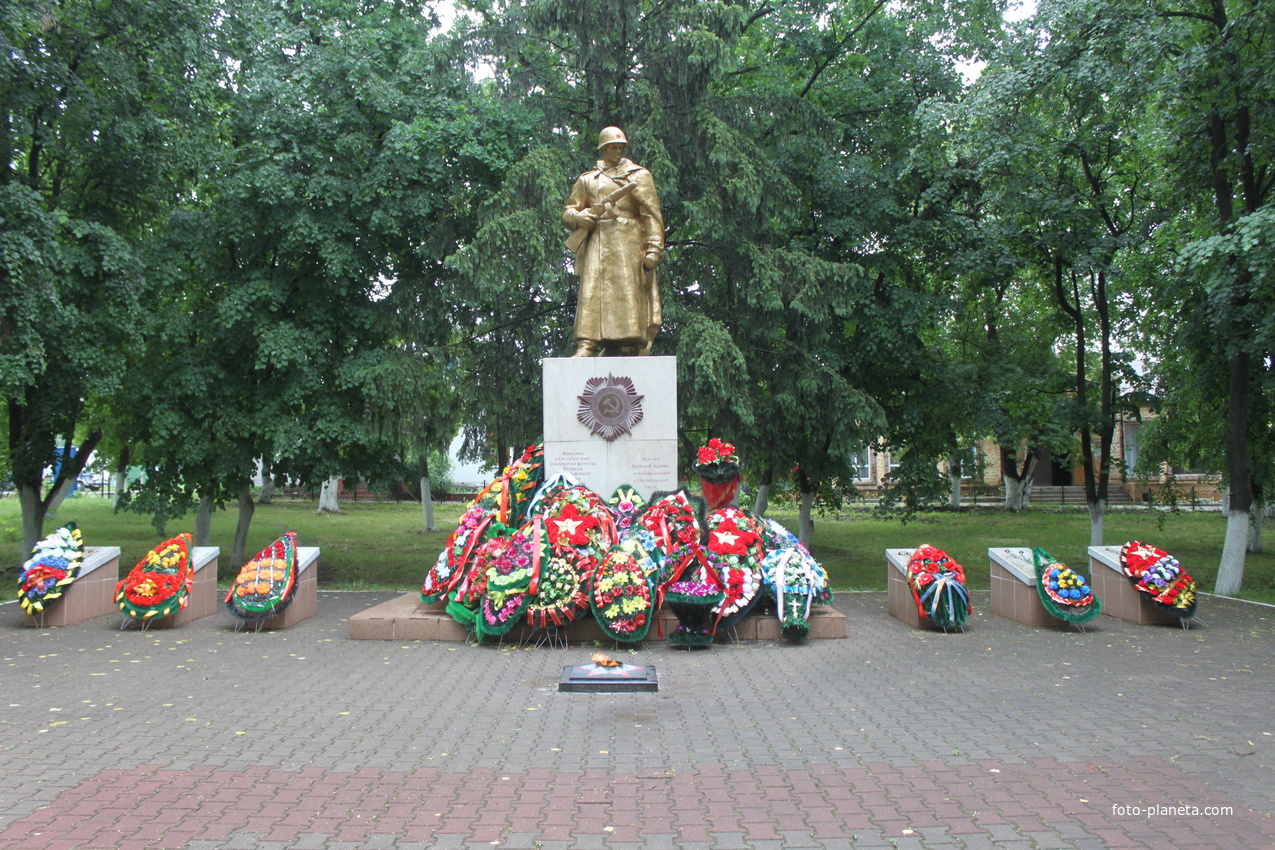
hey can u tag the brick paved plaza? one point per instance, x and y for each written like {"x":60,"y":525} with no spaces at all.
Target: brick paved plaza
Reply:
{"x":1005,"y":736}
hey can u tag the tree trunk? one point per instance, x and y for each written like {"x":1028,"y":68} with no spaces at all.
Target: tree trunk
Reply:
{"x":427,"y":493}
{"x":238,"y":553}
{"x":427,"y":505}
{"x":58,"y":496}
{"x":328,"y":499}
{"x":762,"y":500}
{"x":121,"y":475}
{"x":267,"y":481}
{"x":33,"y":513}
{"x":1097,"y":516}
{"x":806,"y":520}
{"x":1230,"y":571}
{"x":954,"y":477}
{"x":1255,"y":515}
{"x":1017,"y":483}
{"x":203,"y":522}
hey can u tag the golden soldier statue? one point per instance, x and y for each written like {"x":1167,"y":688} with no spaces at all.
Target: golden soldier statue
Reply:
{"x":618,"y":239}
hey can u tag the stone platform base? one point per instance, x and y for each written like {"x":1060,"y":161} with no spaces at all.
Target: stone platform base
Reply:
{"x":405,"y":618}
{"x":1014,"y":594}
{"x":1120,"y":599}
{"x":306,"y":603}
{"x":203,"y":592}
{"x":90,"y":596}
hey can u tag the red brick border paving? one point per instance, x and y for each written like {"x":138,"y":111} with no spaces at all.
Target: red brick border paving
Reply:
{"x":1044,"y":802}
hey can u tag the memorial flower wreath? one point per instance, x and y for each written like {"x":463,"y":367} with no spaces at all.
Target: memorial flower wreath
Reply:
{"x":938,"y":586}
{"x":626,"y":506}
{"x":688,"y":583}
{"x":620,"y":594}
{"x":793,"y":578}
{"x":161,"y":582}
{"x":561,"y":593}
{"x":734,"y":549}
{"x":477,"y":525}
{"x":464,"y":601}
{"x":1064,"y":593}
{"x":509,"y":495}
{"x":510,"y":582}
{"x":54,"y":564}
{"x":1158,"y":574}
{"x":267,"y":584}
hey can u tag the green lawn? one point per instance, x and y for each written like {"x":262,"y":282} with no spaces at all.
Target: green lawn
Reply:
{"x":380,"y":545}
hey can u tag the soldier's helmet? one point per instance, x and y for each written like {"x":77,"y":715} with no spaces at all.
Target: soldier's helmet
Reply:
{"x":611,"y":136}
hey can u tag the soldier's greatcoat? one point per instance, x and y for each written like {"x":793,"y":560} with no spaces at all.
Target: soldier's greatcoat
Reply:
{"x":619,"y":301}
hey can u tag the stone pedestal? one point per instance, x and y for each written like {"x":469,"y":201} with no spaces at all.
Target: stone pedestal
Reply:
{"x":1119,"y":598}
{"x":644,"y":454}
{"x":1014,"y":594}
{"x":901,"y":603}
{"x":405,"y":618}
{"x":203,"y":594}
{"x":306,"y":602}
{"x":90,"y":596}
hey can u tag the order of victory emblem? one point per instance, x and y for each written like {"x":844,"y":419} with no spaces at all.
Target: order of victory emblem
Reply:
{"x":610,"y":406}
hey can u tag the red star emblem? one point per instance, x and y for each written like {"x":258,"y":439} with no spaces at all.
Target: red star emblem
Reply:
{"x":571,"y":527}
{"x":729,"y":539}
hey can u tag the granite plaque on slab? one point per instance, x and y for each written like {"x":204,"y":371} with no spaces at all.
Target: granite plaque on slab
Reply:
{"x":601,"y":679}
{"x":901,"y":604}
{"x":1120,"y":599}
{"x":1014,"y":595}
{"x":204,"y":599}
{"x":610,"y":421}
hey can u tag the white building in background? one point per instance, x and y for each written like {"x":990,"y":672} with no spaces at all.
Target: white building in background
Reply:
{"x":466,"y":475}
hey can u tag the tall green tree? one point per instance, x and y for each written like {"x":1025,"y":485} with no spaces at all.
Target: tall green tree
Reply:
{"x":105,"y":113}
{"x":1054,"y":131}
{"x":1215,"y":106}
{"x":312,"y":326}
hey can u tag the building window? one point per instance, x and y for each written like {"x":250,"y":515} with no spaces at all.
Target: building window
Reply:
{"x":1131,"y":446}
{"x":893,"y":461}
{"x":862,"y":463}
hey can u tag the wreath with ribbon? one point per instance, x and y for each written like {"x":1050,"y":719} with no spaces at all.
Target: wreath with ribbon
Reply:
{"x":734,"y":549}
{"x":54,"y":564}
{"x":511,"y":582}
{"x":938,"y":587}
{"x":477,"y":525}
{"x":160,"y":584}
{"x":794,"y":579}
{"x":620,"y":595}
{"x":510,"y":494}
{"x":561,"y":594}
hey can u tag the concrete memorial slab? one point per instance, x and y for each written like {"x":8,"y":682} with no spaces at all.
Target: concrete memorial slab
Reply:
{"x":1014,"y":594}
{"x":612,"y":420}
{"x":204,"y":598}
{"x":90,"y":596}
{"x":306,"y":603}
{"x":1119,"y":597}
{"x":901,"y":603}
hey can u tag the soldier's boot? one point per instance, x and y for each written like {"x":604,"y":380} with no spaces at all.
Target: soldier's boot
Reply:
{"x":586,"y":348}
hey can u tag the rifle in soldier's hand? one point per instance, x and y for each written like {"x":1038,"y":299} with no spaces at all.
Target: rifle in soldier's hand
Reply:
{"x":577,"y":237}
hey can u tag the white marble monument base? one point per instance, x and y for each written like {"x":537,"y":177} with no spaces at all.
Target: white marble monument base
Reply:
{"x":643,"y":455}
